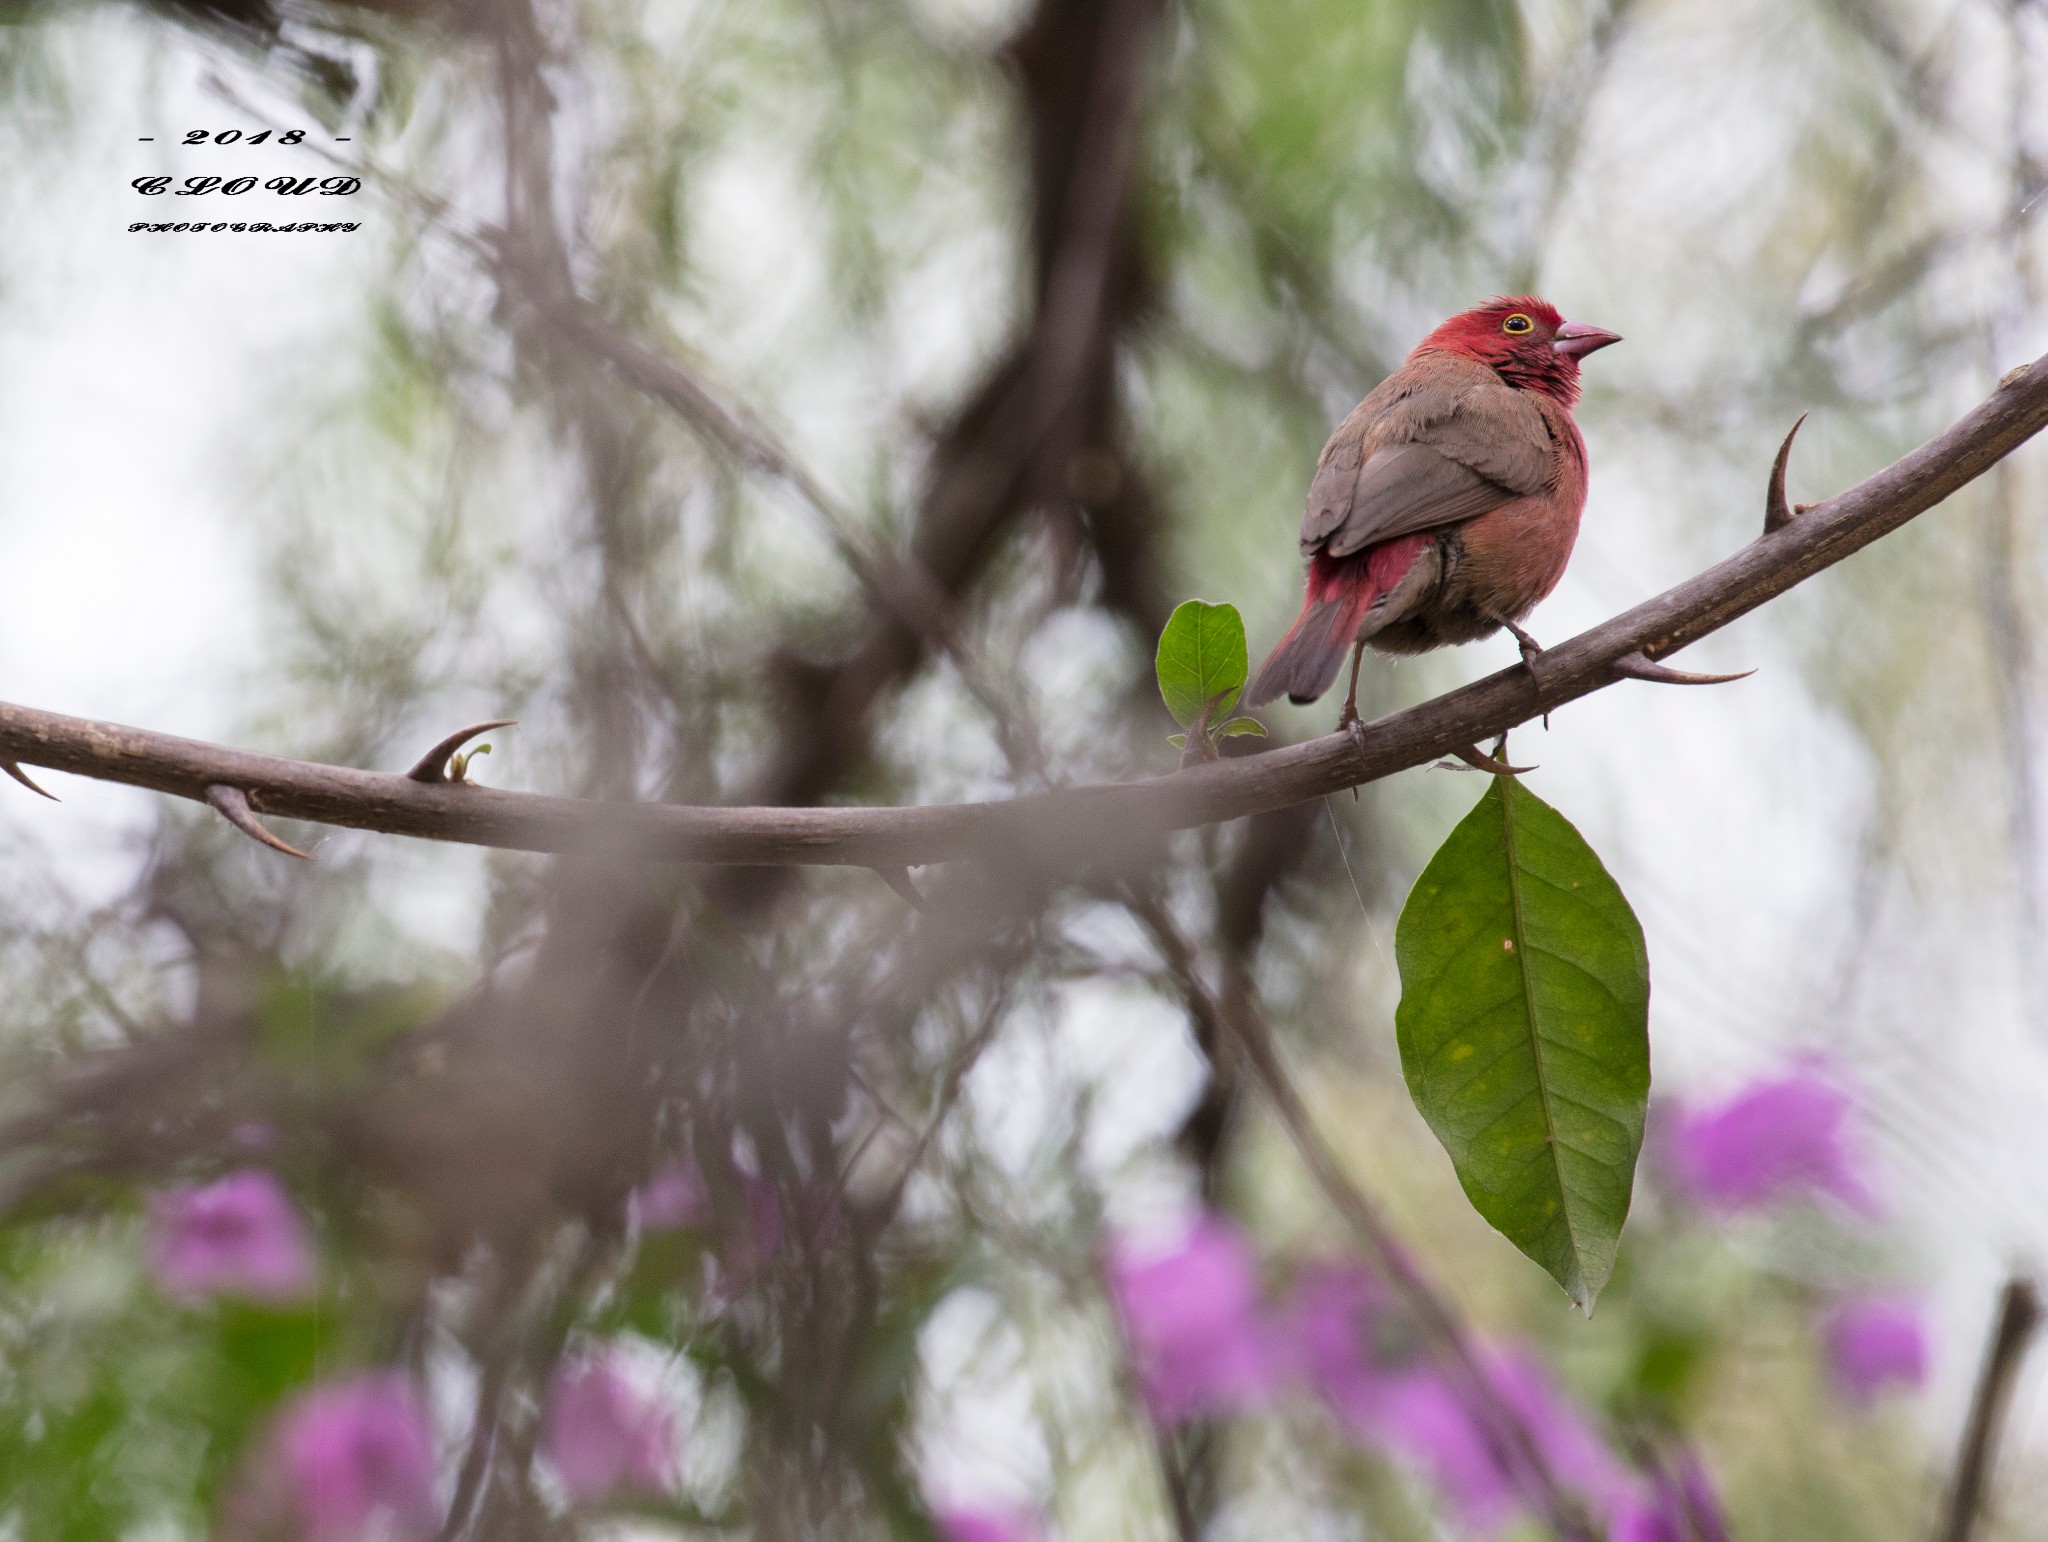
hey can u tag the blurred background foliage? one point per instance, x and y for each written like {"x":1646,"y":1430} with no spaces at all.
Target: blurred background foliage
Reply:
{"x":858,"y":223}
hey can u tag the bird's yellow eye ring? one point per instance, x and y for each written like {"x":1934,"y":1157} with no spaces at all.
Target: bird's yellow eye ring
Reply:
{"x":1518,"y":324}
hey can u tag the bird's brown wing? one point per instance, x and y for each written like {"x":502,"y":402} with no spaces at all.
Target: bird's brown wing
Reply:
{"x":1449,"y":441}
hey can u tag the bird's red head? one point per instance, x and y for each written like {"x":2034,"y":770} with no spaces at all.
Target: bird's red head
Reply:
{"x":1525,"y":341}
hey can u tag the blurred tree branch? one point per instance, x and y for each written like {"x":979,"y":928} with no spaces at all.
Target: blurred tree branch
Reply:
{"x":904,"y":590}
{"x":2013,"y":1327}
{"x":1014,"y":445}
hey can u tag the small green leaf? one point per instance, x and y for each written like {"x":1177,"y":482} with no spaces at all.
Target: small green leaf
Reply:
{"x":1201,"y":659}
{"x":1241,"y":725}
{"x":1524,"y":1030}
{"x":1178,"y":741}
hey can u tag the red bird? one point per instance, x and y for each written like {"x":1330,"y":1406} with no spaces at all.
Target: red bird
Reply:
{"x":1446,"y":505}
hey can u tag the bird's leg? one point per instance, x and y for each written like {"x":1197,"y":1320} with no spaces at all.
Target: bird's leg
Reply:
{"x":1530,"y":646}
{"x":1348,"y":718}
{"x":1350,"y":713}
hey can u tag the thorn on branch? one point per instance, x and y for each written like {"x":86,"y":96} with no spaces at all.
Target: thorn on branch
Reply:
{"x":898,"y":878}
{"x":22,"y":777}
{"x":1777,"y":513}
{"x":433,"y":766}
{"x":1639,"y":666}
{"x":233,"y":806}
{"x":1479,"y":760}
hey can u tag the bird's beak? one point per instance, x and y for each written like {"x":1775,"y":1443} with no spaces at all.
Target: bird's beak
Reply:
{"x":1575,"y":340}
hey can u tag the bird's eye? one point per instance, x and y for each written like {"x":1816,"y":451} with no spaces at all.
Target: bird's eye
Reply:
{"x":1517,"y":324}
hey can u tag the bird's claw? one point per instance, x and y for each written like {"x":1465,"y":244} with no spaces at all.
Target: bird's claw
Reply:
{"x":1349,"y":722}
{"x":1530,"y":647}
{"x":1531,"y":651}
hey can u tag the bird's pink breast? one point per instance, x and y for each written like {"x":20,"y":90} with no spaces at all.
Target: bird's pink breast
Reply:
{"x":1515,"y":555}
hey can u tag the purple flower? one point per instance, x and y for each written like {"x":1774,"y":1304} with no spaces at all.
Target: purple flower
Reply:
{"x":750,"y":1251}
{"x":1192,"y":1315}
{"x":1330,"y":1324}
{"x":1420,"y":1414}
{"x":1642,"y":1522}
{"x":357,"y":1462}
{"x":602,"y":1434}
{"x":984,"y":1526}
{"x":1575,"y":1451}
{"x":679,"y":1196}
{"x":1774,"y":1140}
{"x":238,"y":1237}
{"x":1435,"y":1425}
{"x":1339,"y":1340}
{"x":1874,"y":1343}
{"x":673,"y":1197}
{"x":1682,"y":1508}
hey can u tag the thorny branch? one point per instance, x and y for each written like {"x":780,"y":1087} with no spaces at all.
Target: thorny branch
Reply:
{"x":1079,"y":825}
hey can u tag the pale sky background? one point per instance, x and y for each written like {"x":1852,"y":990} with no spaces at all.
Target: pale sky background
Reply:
{"x":133,"y":370}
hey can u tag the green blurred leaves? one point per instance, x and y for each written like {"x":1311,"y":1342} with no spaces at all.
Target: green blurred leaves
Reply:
{"x":261,"y":1355}
{"x":106,"y":1412}
{"x":125,"y":1412}
{"x":1524,"y":1030}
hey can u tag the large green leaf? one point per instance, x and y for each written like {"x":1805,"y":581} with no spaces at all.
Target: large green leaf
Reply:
{"x":1201,"y":659}
{"x":1524,"y":1030}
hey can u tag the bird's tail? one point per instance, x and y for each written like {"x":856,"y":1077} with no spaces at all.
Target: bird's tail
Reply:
{"x":1304,"y":662}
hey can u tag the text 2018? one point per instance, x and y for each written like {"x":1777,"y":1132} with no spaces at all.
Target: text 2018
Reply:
{"x":234,"y":136}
